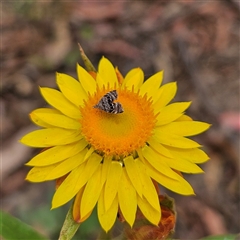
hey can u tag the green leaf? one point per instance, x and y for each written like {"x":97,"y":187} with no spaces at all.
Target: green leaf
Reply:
{"x":12,"y":228}
{"x":222,"y":237}
{"x":87,"y":62}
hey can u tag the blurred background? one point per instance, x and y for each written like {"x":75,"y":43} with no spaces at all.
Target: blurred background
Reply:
{"x":197,"y":45}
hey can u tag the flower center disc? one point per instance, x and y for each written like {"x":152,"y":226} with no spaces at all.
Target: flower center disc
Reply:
{"x":118,"y":134}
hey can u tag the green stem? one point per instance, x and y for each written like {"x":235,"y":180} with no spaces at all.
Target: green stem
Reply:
{"x":69,"y":227}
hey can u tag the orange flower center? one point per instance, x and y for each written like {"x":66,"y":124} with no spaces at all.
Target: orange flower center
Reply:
{"x":118,"y":134}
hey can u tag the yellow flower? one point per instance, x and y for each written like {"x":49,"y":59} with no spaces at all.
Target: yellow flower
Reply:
{"x":112,"y":160}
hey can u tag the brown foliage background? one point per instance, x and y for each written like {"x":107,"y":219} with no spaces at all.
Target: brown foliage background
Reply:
{"x":197,"y":45}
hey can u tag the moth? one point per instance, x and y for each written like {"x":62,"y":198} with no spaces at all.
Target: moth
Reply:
{"x":107,"y":104}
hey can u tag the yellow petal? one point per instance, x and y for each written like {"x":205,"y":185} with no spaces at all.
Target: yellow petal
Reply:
{"x":92,"y":163}
{"x":107,"y":73}
{"x":184,"y":128}
{"x":119,"y":75}
{"x":71,"y":89}
{"x":92,"y":192}
{"x":51,"y":137}
{"x":70,"y":186}
{"x":89,"y":153}
{"x":159,"y":147}
{"x":38,"y":174}
{"x":66,"y":166}
{"x":113,"y":179}
{"x":75,"y":180}
{"x":87,"y":81}
{"x":180,"y":185}
{"x":173,"y":140}
{"x":107,"y":218}
{"x":177,"y":107}
{"x":76,"y":205}
{"x":130,"y":74}
{"x":166,"y":93}
{"x":171,"y":112}
{"x":149,"y":191}
{"x":151,"y":86}
{"x":132,"y":171}
{"x":163,"y":119}
{"x":57,"y":154}
{"x":37,"y":120}
{"x":106,"y":165}
{"x":156,"y":160}
{"x":194,"y":155}
{"x":184,"y":118}
{"x":134,"y":78}
{"x":58,"y":120}
{"x":175,"y":163}
{"x":152,"y":215}
{"x":100,"y":81}
{"x":127,"y":198}
{"x":54,"y":171}
{"x":183,"y":165}
{"x":58,"y":101}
